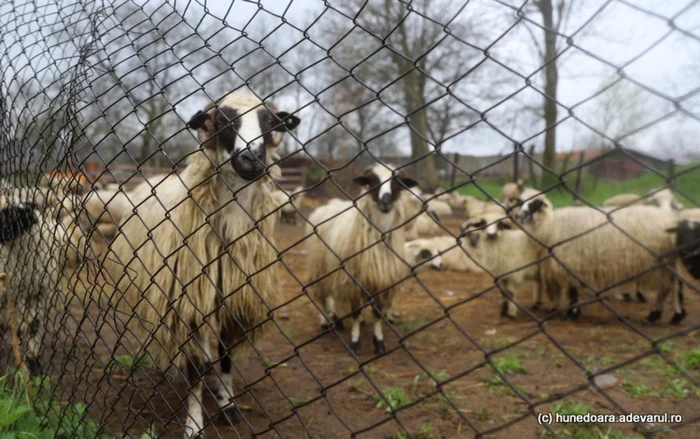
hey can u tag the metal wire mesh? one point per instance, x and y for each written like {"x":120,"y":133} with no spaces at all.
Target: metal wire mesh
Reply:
{"x":143,"y":262}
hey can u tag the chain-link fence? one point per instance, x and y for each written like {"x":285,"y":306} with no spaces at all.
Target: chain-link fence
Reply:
{"x":209,"y":209}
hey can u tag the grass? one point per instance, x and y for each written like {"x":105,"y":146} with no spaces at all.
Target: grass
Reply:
{"x":509,"y":365}
{"x":29,"y":409}
{"x":424,"y":432}
{"x":130,"y":362}
{"x":597,"y":192}
{"x":691,"y":360}
{"x":636,"y":389}
{"x":395,"y":396}
{"x":677,"y":389}
{"x":297,"y":402}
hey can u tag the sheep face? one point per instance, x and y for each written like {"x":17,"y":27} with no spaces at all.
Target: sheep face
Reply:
{"x":423,"y":257}
{"x":688,"y":238}
{"x":488,"y":226}
{"x":384,"y":186}
{"x":530,"y":209}
{"x":241,"y":129}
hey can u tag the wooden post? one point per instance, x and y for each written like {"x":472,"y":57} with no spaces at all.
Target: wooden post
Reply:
{"x":455,"y":162}
{"x":579,"y":172}
{"x":516,"y":167}
{"x":531,"y":166}
{"x":671,"y":173}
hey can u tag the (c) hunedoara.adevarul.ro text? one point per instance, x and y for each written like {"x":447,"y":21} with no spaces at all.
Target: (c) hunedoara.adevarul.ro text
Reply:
{"x":662,"y":418}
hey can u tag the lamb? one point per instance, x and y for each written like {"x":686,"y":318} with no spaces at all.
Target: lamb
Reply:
{"x":358,"y":248}
{"x":587,"y":250}
{"x":29,"y":245}
{"x":222,"y":281}
{"x":512,"y":191}
{"x":509,"y":255}
{"x":452,"y":256}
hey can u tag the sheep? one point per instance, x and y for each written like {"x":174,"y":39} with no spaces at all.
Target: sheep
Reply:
{"x":689,"y":214}
{"x":223,"y":279}
{"x":453,"y":257}
{"x":664,"y":199}
{"x":360,"y":247}
{"x":434,"y":204}
{"x":512,"y":191}
{"x":29,"y":247}
{"x":622,"y":200}
{"x":507,"y":254}
{"x":421,"y":256}
{"x":292,"y":204}
{"x":584,"y":241}
{"x":475,"y":207}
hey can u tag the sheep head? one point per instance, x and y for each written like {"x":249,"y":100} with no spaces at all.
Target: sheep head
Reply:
{"x":488,"y":225}
{"x":384,"y":185}
{"x":529,"y":209}
{"x":240,"y":128}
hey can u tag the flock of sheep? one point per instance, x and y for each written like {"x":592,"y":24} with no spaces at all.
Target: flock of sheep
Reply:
{"x":193,"y":262}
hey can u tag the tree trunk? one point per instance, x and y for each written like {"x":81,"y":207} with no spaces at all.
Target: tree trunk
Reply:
{"x":550,"y":90}
{"x":426,"y":172}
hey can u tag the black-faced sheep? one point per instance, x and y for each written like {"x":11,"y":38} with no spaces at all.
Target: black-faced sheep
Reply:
{"x":30,"y":248}
{"x":197,"y":259}
{"x":586,"y":249}
{"x":357,"y":252}
{"x":452,"y":255}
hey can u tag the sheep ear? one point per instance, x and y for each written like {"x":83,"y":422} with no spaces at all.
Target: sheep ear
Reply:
{"x":504,"y":225}
{"x":408,"y":182}
{"x":362,"y":181}
{"x":289,"y":122}
{"x":536,"y":205}
{"x":199,"y":120}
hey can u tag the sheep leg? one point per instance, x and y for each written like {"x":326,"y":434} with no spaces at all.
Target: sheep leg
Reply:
{"x":658,"y":308}
{"x":379,"y":347}
{"x":224,"y":393}
{"x":330,"y":318}
{"x":508,"y":307}
{"x":195,"y":417}
{"x":679,"y":315}
{"x":574,"y":312}
{"x":536,"y":297}
{"x":355,"y":329}
{"x":641,"y":298}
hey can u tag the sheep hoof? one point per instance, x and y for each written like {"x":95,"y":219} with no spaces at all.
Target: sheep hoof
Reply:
{"x":573,"y":314}
{"x":536,"y":306}
{"x":379,"y":347}
{"x":641,"y":298}
{"x":504,"y":309}
{"x":678,"y":317}
{"x":627,"y":297}
{"x":229,"y":416}
{"x":355,"y":347}
{"x":34,"y":366}
{"x":339,"y":325}
{"x":652,"y":317}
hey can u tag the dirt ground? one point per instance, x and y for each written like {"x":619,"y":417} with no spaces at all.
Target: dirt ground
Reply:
{"x":302,"y":383}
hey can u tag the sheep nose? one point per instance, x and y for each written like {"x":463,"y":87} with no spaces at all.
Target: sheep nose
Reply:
{"x":250,"y":163}
{"x":524,"y":216}
{"x":473,"y":239}
{"x":385,"y":203}
{"x":491,"y":235}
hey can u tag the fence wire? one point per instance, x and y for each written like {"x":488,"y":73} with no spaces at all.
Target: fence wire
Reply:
{"x":208,"y":210}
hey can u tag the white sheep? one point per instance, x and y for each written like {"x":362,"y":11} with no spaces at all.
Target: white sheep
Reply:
{"x":30,"y":247}
{"x":475,"y":207}
{"x":420,"y":256}
{"x":664,"y":199}
{"x":452,"y":255}
{"x":291,"y":206}
{"x":356,"y":252}
{"x":196,"y":259}
{"x":509,"y":255}
{"x":511,"y":191}
{"x":585,"y":242}
{"x":623,"y":200}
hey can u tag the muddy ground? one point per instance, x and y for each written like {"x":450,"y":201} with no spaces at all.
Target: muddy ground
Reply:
{"x":300,"y":383}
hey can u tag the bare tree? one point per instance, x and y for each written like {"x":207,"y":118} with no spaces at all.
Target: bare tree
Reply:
{"x":404,"y":58}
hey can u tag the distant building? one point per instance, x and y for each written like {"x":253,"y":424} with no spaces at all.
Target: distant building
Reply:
{"x":615,"y":164}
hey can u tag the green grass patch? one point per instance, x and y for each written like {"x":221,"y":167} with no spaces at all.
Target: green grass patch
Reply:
{"x":509,"y":365}
{"x":595,"y":192}
{"x":636,"y":389}
{"x":32,"y":410}
{"x":677,"y":389}
{"x":691,"y":360}
{"x":424,"y":432}
{"x":130,"y":362}
{"x":395,"y":396}
{"x":297,"y":402}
